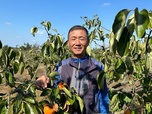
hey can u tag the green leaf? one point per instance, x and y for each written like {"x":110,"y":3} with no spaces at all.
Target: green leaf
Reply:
{"x":1,"y":53}
{"x":1,"y":45}
{"x":48,"y":25}
{"x":15,"y":67}
{"x":52,"y":47}
{"x":32,"y":89}
{"x":54,"y":94}
{"x":119,"y":23}
{"x":21,"y":67}
{"x":81,"y":103}
{"x":114,"y":99}
{"x":150,"y":20}
{"x":53,"y":74}
{"x":34,"y":30}
{"x":2,"y":106}
{"x":44,"y":102}
{"x":56,"y":44}
{"x":29,"y":99}
{"x":30,"y":108}
{"x":22,"y":109}
{"x":148,"y":108}
{"x":89,"y":50}
{"x":123,"y":43}
{"x":0,"y":79}
{"x":71,"y":100}
{"x":113,"y":43}
{"x":131,"y":24}
{"x":48,"y":50}
{"x":46,"y":92}
{"x":9,"y":77}
{"x":55,"y":30}
{"x":39,"y":109}
{"x":20,"y":56}
{"x":6,"y":59}
{"x":44,"y":50}
{"x":142,"y":21}
{"x":67,"y":92}
{"x":127,"y":99}
{"x":150,"y":41}
{"x":16,"y":106}
{"x":120,"y":66}
{"x":12,"y":54}
{"x":118,"y":63}
{"x":121,"y":69}
{"x":3,"y":110}
{"x":100,"y":80}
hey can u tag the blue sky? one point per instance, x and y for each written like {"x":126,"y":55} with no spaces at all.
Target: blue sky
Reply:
{"x":17,"y":17}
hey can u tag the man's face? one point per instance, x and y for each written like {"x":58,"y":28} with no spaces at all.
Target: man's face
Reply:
{"x":78,"y":43}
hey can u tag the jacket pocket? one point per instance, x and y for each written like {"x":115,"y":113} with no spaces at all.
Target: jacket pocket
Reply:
{"x":97,"y":103}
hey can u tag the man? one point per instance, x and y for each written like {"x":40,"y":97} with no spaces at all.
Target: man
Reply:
{"x":80,"y":71}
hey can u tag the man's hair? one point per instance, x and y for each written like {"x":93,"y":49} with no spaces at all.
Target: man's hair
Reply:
{"x":78,"y":27}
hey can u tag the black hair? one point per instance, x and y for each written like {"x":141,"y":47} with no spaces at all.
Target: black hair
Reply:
{"x":78,"y":27}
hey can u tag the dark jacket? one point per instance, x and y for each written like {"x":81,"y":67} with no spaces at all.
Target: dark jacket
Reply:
{"x":82,"y":75}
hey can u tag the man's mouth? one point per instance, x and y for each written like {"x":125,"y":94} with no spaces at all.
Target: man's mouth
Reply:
{"x":77,"y":48}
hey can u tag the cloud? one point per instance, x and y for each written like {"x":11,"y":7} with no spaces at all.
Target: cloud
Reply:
{"x":41,"y":32}
{"x":106,"y":4}
{"x":34,"y":40}
{"x":7,"y":23}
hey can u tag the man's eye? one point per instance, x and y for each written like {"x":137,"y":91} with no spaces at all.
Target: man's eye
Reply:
{"x":81,"y":38}
{"x":73,"y":38}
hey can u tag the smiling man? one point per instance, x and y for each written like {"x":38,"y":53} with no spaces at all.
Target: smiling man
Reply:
{"x":80,"y":72}
{"x":78,"y":42}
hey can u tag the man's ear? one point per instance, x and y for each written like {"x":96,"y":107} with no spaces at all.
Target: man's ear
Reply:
{"x":68,"y":43}
{"x":88,"y":42}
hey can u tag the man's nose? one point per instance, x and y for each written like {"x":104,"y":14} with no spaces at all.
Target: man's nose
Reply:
{"x":77,"y":41}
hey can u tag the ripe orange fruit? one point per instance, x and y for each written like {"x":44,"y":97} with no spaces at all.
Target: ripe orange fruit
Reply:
{"x":128,"y":111}
{"x":48,"y":110}
{"x":61,"y":85}
{"x":56,"y":107}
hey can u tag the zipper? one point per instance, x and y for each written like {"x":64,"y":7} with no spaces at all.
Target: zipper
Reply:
{"x":78,"y":77}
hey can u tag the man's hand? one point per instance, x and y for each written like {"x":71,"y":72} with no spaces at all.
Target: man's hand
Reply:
{"x":42,"y":82}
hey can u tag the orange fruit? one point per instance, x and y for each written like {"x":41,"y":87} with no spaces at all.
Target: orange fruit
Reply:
{"x":48,"y":110}
{"x":128,"y":111}
{"x":56,"y":107}
{"x":61,"y":85}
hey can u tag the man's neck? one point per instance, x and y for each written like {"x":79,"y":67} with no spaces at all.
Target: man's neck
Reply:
{"x":79,"y":56}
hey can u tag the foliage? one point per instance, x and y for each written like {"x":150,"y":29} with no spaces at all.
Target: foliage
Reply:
{"x":131,"y":66}
{"x":127,"y":67}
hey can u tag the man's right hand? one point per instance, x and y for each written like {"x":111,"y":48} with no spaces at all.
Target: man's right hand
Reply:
{"x":42,"y":82}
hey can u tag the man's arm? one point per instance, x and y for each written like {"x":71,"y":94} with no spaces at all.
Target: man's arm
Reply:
{"x":42,"y":82}
{"x":104,"y":99}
